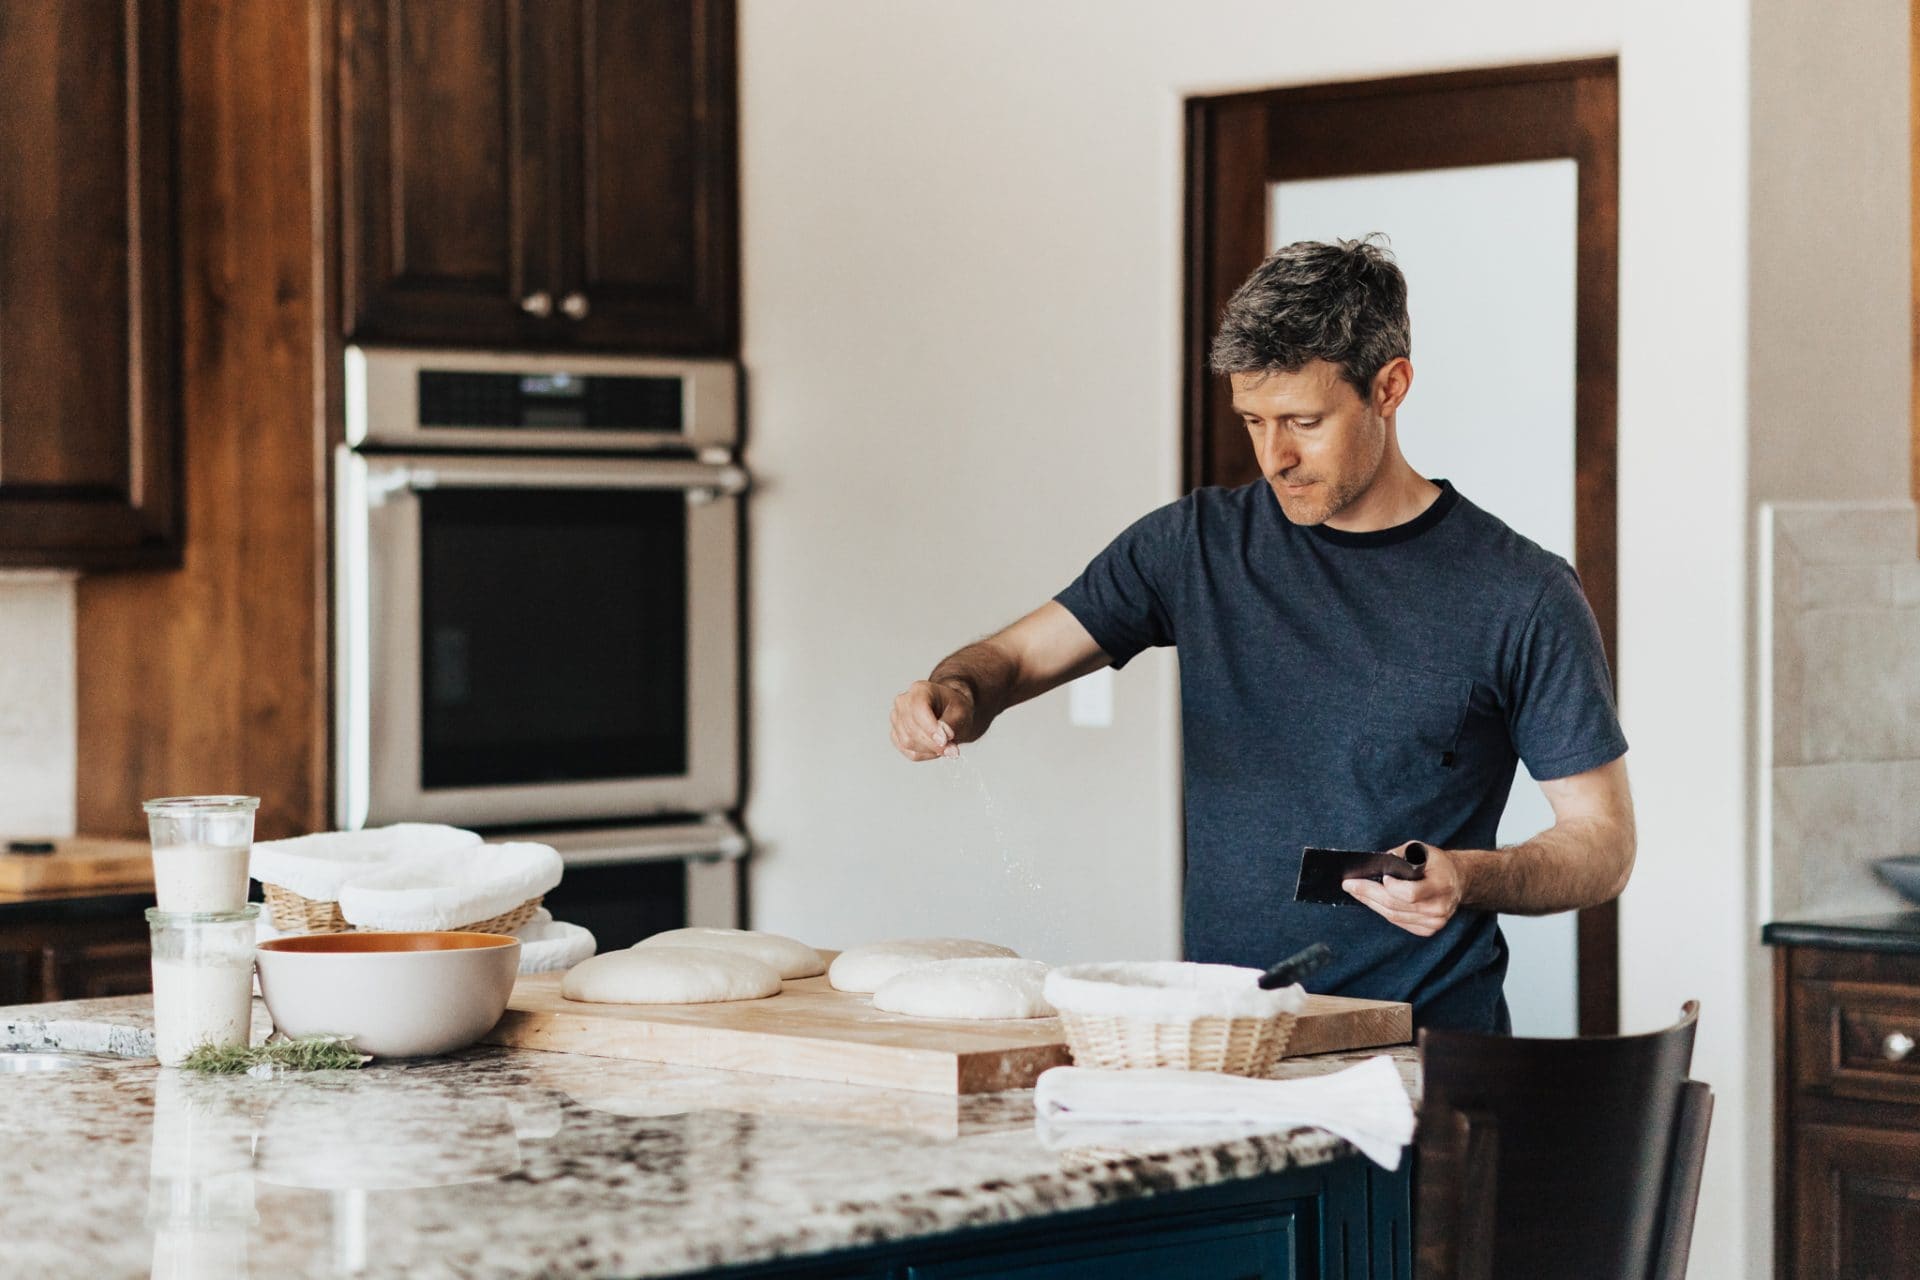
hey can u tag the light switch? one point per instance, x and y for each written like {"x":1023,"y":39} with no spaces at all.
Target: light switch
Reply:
{"x":1090,"y":700}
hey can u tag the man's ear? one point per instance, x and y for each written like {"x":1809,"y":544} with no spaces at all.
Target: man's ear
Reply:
{"x":1391,"y":384}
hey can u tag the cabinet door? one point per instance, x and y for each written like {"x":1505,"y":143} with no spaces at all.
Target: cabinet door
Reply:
{"x":1858,"y":1203}
{"x":1261,"y":1249}
{"x":88,"y":259}
{"x":645,"y":135}
{"x":443,"y":171}
{"x":95,"y":970}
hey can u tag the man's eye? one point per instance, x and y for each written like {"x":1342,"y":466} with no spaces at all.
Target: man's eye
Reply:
{"x":1306,"y":422}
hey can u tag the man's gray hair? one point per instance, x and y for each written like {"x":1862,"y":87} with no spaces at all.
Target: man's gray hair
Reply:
{"x":1345,"y":303}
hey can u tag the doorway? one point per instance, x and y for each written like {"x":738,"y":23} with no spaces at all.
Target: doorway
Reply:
{"x":1498,"y":190}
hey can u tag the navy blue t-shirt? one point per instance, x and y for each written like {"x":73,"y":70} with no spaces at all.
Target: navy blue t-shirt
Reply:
{"x":1353,"y":691}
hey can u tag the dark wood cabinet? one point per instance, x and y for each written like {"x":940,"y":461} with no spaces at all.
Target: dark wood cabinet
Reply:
{"x":88,"y":269}
{"x":539,"y":173}
{"x":1858,"y":1191}
{"x":74,"y":949}
{"x":1847,"y":1078}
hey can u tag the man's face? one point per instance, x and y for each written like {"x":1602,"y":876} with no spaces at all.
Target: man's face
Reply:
{"x":1318,"y":443}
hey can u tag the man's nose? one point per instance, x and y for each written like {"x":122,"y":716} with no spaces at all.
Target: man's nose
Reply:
{"x":1274,"y":448}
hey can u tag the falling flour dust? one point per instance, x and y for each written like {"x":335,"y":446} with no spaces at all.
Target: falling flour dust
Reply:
{"x":1017,"y":872}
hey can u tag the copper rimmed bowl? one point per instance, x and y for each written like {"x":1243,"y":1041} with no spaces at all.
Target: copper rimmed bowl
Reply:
{"x":399,"y":995}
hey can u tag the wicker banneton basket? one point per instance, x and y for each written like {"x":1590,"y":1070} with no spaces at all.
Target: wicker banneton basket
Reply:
{"x":292,"y":913}
{"x":303,"y":875}
{"x":1191,"y":1017}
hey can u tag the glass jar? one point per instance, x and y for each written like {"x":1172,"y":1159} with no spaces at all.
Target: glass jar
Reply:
{"x":200,"y":850}
{"x":202,"y":980}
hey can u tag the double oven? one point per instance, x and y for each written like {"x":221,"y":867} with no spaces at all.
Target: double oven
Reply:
{"x":537,"y":607}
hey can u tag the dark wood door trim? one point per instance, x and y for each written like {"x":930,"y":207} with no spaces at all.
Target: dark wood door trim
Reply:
{"x":1239,"y":143}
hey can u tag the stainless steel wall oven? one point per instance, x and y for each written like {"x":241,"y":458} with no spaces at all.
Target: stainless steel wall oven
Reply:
{"x":537,"y":586}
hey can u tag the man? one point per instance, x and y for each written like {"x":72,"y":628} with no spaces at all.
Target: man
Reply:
{"x":1364,"y":655}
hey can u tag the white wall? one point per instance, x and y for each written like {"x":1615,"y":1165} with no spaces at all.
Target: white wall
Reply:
{"x":962,"y":262}
{"x":962,"y":272}
{"x":37,"y":708}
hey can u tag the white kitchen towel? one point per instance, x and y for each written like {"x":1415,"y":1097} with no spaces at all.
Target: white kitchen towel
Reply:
{"x":317,"y":866}
{"x":452,"y":888}
{"x":1367,"y":1105}
{"x":551,"y":946}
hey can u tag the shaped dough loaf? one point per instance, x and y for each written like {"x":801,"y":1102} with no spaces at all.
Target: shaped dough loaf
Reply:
{"x":973,"y":988}
{"x":792,"y":959}
{"x":867,"y":968}
{"x":669,"y":975}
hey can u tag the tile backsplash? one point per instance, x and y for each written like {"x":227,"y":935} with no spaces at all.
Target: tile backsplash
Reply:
{"x":1840,"y":608}
{"x":37,"y":713}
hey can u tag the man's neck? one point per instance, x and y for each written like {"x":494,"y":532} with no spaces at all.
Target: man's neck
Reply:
{"x":1398,"y":494}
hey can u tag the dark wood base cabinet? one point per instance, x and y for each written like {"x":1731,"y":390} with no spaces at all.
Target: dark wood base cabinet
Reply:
{"x":1847,"y":1191}
{"x":79,"y":949}
{"x":1348,"y":1220}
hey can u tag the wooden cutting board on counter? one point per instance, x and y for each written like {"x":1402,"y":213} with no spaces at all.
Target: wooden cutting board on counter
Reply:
{"x":814,"y":1032}
{"x":78,"y":863}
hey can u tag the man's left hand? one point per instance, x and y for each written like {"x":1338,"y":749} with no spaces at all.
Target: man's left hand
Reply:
{"x":1420,"y":906}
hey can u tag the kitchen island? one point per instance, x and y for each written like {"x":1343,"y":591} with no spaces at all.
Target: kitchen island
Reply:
{"x":502,"y":1162}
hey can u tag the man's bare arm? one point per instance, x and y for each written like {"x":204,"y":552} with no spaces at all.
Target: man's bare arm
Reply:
{"x":1582,"y":860}
{"x":970,"y":688}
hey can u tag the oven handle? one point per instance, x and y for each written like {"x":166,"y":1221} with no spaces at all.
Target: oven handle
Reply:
{"x":702,"y":481}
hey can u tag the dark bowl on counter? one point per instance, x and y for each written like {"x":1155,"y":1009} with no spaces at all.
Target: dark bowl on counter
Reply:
{"x":1903,"y":874}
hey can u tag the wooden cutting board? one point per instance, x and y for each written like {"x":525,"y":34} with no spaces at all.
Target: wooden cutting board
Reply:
{"x":814,"y":1032}
{"x":78,"y":863}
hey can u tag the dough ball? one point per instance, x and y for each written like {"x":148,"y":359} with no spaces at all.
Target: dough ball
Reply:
{"x":867,"y":968}
{"x":792,"y":959}
{"x":669,"y":975}
{"x":976,"y":988}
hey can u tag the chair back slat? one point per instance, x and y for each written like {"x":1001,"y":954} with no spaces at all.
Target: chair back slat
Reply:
{"x":1683,"y":1182}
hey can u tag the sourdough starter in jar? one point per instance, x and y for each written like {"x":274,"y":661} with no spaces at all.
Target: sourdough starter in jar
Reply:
{"x":202,"y":980}
{"x":200,"y":850}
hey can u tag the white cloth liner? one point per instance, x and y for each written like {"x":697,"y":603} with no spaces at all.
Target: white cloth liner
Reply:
{"x":317,"y":866}
{"x":1167,"y":991}
{"x":454,"y":887}
{"x":549,"y":946}
{"x":1080,"y":1106}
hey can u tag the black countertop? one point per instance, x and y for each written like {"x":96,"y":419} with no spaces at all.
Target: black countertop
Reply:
{"x":1894,"y":931}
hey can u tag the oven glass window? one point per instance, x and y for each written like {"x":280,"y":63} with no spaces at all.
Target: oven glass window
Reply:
{"x":554,"y":635}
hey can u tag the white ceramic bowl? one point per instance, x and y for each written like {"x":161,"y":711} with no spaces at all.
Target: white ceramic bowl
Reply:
{"x":399,"y":995}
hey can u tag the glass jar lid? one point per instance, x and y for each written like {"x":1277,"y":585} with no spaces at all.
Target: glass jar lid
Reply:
{"x":201,"y":804}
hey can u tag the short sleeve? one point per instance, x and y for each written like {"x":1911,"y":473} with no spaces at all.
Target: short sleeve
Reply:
{"x":1125,"y":597}
{"x":1562,"y":718}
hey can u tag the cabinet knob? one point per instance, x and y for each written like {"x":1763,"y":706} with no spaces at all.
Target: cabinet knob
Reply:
{"x":538,"y":304}
{"x":575,"y":305}
{"x":1896,"y":1046}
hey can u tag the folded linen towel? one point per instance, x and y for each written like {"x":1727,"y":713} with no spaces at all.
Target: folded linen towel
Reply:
{"x":550,"y":946}
{"x":448,"y":889}
{"x":317,"y":866}
{"x":1367,"y":1105}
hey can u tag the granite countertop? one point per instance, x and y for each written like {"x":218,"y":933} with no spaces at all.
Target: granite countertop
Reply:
{"x":1893,"y":931}
{"x":504,"y":1162}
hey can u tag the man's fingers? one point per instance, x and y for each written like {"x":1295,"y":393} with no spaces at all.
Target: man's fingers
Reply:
{"x":1396,"y":913}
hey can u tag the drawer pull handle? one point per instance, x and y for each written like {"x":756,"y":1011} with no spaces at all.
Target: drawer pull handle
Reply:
{"x":538,"y":305}
{"x":1896,"y":1046}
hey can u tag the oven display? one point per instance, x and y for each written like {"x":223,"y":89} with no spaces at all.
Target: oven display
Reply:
{"x":554,"y":401}
{"x":554,"y":635}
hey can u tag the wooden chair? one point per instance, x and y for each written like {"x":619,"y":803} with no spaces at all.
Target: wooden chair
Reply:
{"x":1570,"y":1159}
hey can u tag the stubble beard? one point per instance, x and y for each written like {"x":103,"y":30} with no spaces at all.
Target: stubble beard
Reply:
{"x":1339,"y":496}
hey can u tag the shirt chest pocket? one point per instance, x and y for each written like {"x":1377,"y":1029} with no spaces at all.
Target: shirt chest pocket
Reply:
{"x":1413,"y":719}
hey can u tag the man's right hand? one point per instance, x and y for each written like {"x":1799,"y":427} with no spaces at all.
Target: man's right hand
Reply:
{"x":932,"y":718}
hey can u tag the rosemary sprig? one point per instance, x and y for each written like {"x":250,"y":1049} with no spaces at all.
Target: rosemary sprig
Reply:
{"x":280,"y":1053}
